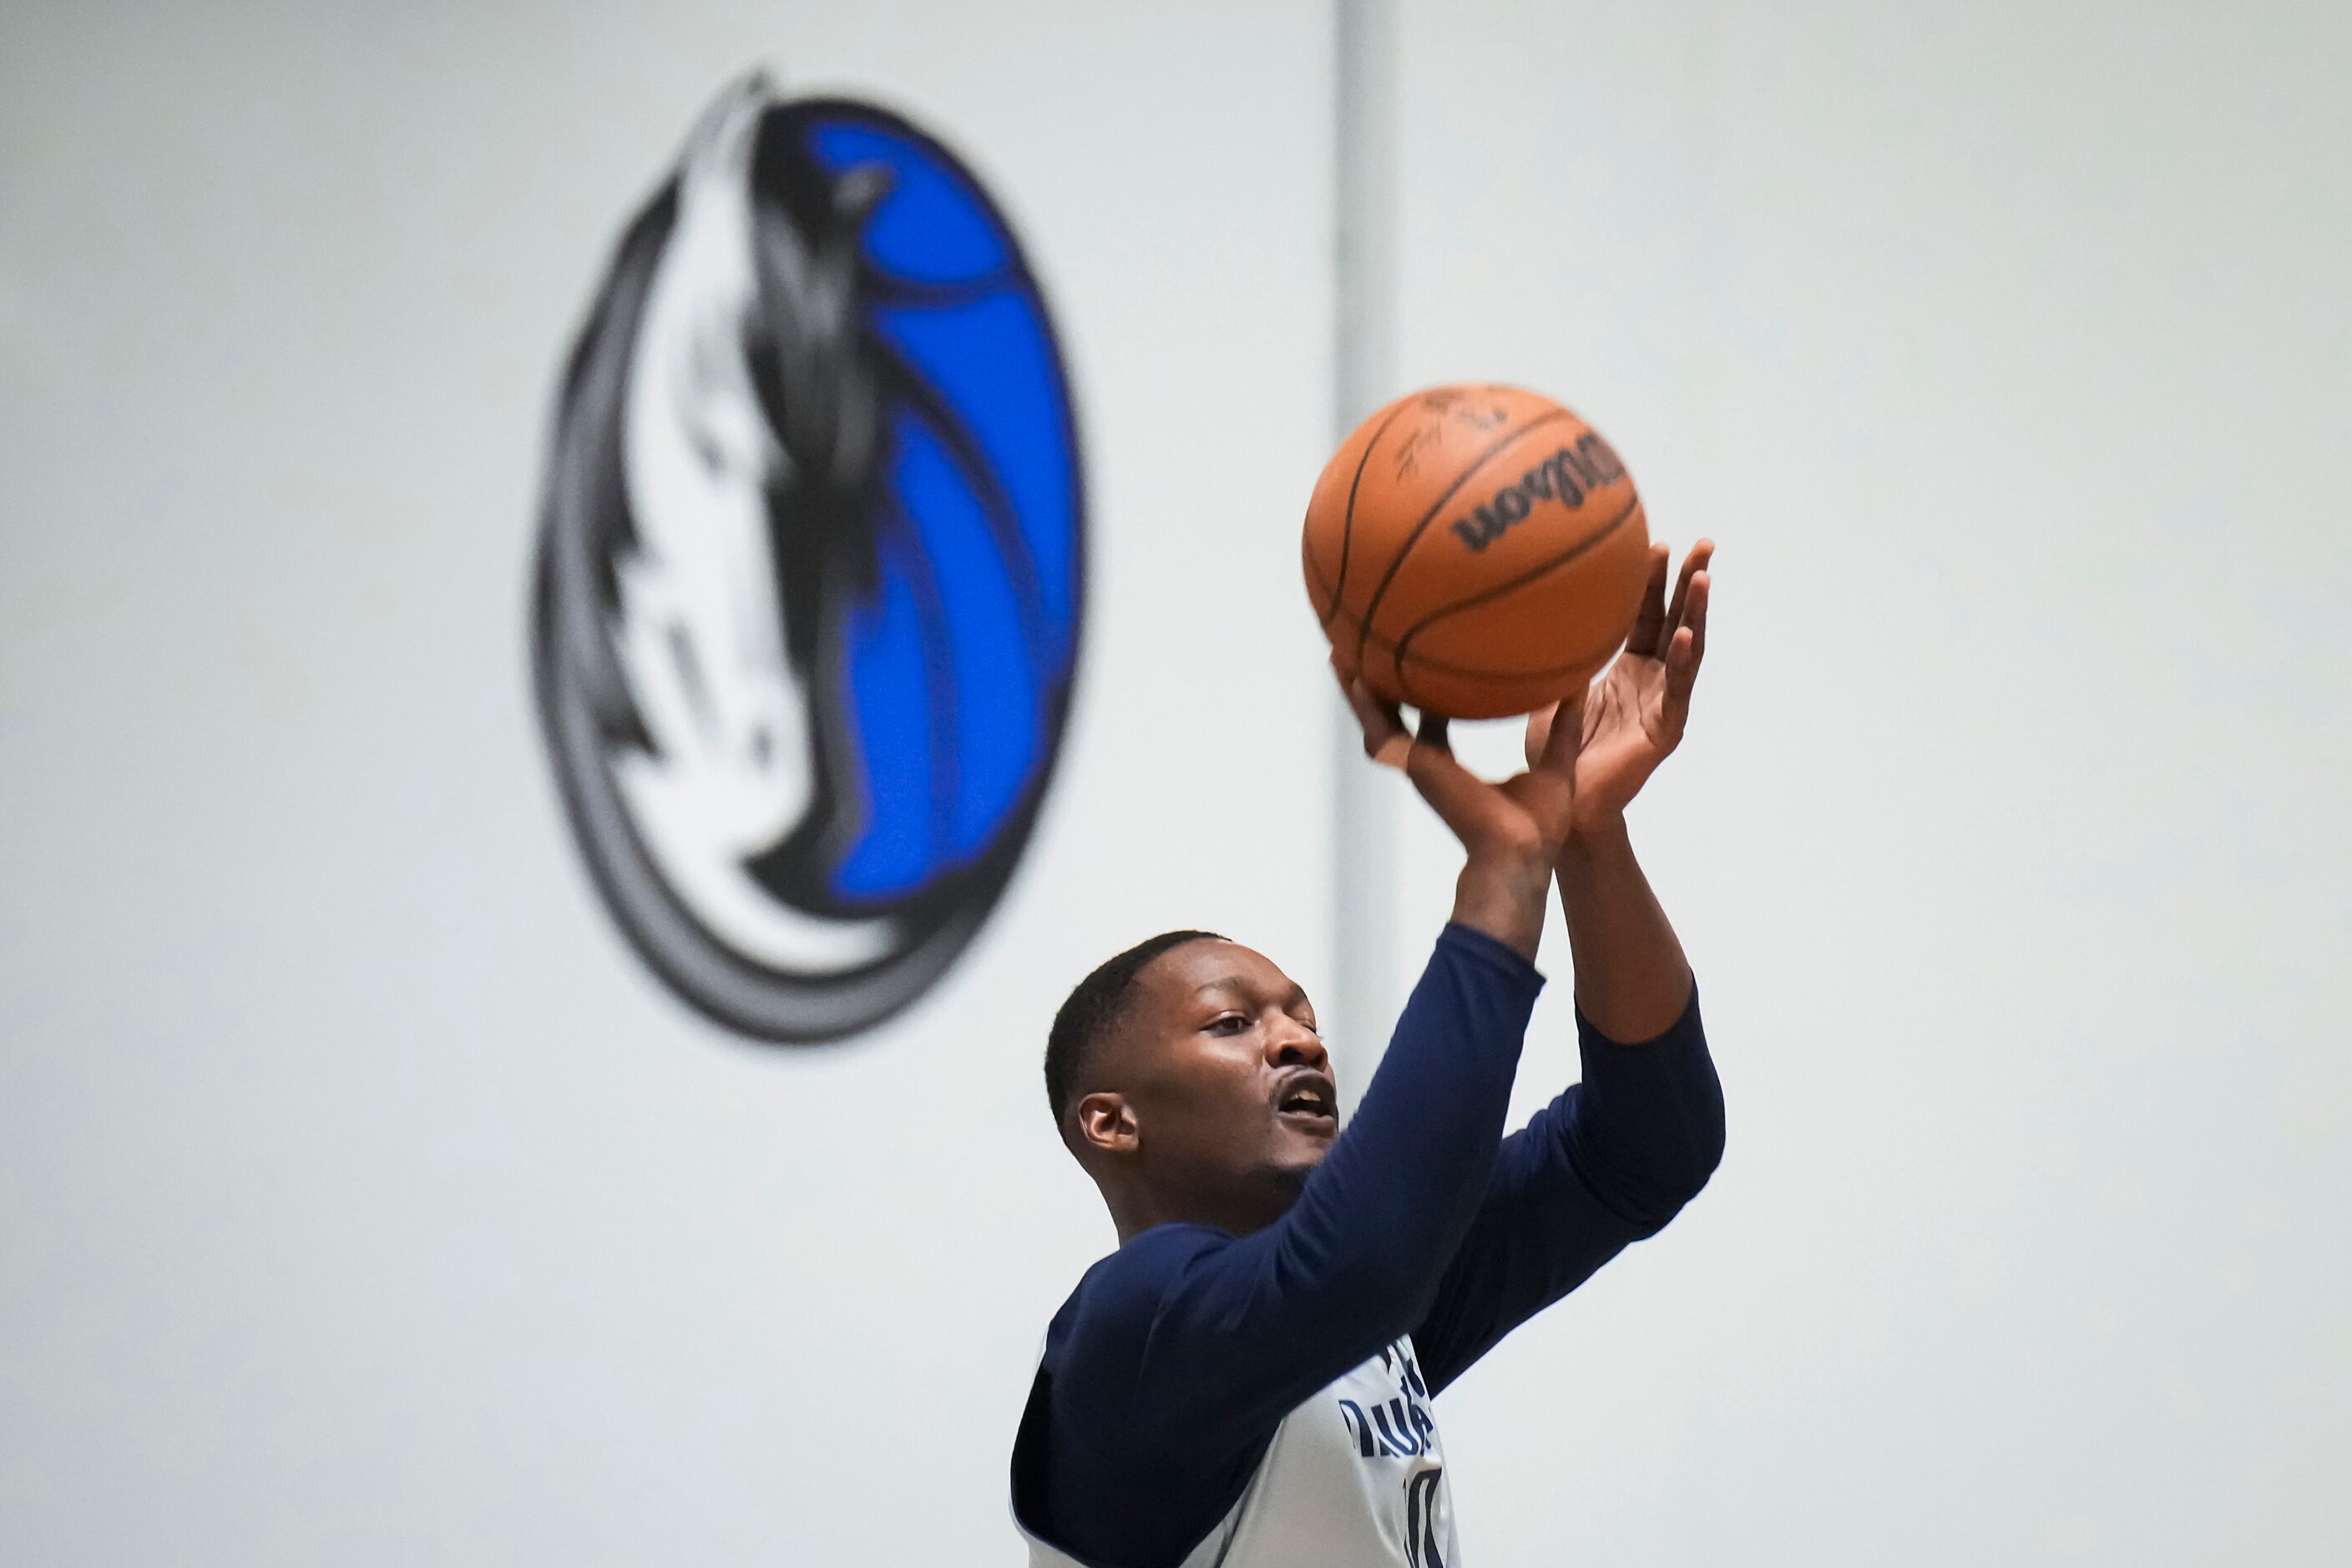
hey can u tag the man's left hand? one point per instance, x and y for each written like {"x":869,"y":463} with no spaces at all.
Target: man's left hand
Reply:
{"x":1634,"y":713}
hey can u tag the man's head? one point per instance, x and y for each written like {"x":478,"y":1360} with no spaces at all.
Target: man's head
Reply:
{"x":1187,"y":1077}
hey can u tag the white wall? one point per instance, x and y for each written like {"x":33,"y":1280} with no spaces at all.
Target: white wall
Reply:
{"x":2005,"y":350}
{"x":360,"y":1198}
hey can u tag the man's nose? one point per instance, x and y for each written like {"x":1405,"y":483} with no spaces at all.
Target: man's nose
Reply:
{"x":1290,"y":1044}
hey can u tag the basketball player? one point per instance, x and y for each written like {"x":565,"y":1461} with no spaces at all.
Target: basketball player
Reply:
{"x":1246,"y":1382}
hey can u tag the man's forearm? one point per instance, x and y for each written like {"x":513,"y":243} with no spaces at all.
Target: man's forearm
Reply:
{"x":1502,"y":895}
{"x":1632,"y":980}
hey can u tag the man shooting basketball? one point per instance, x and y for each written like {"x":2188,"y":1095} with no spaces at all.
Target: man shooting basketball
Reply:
{"x":1247,"y":1381}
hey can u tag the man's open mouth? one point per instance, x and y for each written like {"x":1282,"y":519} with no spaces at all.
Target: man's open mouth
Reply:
{"x":1309,"y":1098}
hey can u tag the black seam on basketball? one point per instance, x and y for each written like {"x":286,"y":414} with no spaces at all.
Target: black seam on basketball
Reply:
{"x":1316,"y":580}
{"x":1397,"y":563}
{"x":1505,"y":676}
{"x":1474,"y":672}
{"x":1403,"y":644}
{"x":1348,"y":520}
{"x":1405,"y":692}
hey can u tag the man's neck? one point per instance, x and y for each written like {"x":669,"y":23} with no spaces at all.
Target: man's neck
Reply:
{"x":1237,"y":1211}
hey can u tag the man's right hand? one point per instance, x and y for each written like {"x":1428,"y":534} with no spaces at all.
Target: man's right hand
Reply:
{"x":1511,"y":832}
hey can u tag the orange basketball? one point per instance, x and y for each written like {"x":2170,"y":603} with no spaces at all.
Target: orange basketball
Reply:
{"x":1476,"y":550}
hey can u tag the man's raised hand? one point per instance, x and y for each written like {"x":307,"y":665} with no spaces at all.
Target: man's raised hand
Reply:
{"x":1636,"y":709}
{"x":1511,"y":832}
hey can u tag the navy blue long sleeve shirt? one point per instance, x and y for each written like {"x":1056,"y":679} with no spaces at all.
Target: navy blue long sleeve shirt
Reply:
{"x":1167,"y":1370}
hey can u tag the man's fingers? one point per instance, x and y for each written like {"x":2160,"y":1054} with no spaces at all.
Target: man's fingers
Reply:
{"x":1538,"y":733}
{"x":1385,"y":737}
{"x":1694,"y":616}
{"x":1647,"y":637}
{"x":1692,"y":564}
{"x":1459,"y":796}
{"x":1566,"y":739}
{"x":1682,"y":671}
{"x":1682,"y":655}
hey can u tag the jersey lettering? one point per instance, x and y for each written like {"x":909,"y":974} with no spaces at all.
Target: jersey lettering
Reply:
{"x":1422,"y":1492}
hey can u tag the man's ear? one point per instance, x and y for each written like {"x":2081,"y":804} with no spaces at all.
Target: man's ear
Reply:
{"x":1106,"y":1123}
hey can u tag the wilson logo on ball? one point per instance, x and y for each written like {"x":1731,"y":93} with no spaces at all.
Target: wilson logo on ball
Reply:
{"x":811,"y":566}
{"x":1566,"y":474}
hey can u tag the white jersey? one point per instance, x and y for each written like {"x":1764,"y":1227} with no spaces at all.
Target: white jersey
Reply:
{"x":1354,"y":1478}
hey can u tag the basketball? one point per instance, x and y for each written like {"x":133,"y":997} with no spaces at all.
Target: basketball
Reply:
{"x":1476,"y":550}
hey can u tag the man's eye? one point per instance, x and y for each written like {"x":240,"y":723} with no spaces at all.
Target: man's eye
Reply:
{"x":1228,"y":1024}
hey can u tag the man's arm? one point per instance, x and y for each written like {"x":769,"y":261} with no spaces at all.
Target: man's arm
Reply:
{"x":1617,"y":1155}
{"x":1609,"y":1161}
{"x":1184,"y":1351}
{"x":1631,"y":979}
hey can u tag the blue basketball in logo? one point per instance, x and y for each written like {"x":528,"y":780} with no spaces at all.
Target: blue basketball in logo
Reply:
{"x":812,"y":566}
{"x":960,"y":659}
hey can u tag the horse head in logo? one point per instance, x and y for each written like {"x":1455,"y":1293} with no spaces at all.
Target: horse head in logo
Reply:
{"x":722,"y":478}
{"x":749,"y":449}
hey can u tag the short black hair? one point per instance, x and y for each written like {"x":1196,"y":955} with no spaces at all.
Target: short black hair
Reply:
{"x":1093,"y":1007}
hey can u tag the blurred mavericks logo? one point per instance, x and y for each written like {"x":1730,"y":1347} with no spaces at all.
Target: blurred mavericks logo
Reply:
{"x":810,"y":566}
